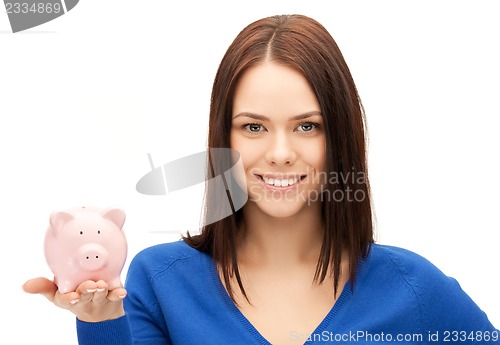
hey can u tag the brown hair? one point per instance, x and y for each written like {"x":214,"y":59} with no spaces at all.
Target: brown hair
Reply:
{"x":305,"y":45}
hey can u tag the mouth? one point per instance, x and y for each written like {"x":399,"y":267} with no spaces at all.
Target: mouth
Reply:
{"x":281,"y":182}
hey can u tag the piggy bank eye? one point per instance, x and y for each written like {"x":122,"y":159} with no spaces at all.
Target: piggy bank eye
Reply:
{"x":98,"y":232}
{"x":81,"y":232}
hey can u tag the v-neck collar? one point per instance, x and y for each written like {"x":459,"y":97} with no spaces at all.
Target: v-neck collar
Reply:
{"x":345,"y":295}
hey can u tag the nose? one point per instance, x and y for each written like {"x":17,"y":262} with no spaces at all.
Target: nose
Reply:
{"x":281,"y":150}
{"x":92,"y":257}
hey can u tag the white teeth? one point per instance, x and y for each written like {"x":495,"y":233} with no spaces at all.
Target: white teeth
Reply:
{"x":280,"y":183}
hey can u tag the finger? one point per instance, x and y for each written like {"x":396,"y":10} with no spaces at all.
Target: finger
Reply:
{"x":117,"y":294}
{"x":86,"y":291}
{"x":67,"y":300}
{"x":103,"y":294}
{"x":100,"y":296}
{"x":41,"y":286}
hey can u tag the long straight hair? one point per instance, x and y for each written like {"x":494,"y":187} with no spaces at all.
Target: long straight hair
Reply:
{"x":305,"y":45}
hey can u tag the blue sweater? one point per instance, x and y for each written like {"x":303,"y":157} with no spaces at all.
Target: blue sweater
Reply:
{"x":175,"y":296}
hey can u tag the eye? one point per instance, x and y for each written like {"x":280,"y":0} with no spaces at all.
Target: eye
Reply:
{"x":307,"y":126}
{"x":98,"y":232}
{"x":81,"y":232}
{"x":253,"y":127}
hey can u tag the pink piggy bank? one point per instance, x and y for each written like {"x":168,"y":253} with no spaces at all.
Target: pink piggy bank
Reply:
{"x":86,"y":243}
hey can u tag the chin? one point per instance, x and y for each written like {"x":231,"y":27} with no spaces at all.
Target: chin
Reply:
{"x":280,"y":208}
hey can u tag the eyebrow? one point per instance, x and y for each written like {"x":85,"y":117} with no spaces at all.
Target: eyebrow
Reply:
{"x":265,"y":118}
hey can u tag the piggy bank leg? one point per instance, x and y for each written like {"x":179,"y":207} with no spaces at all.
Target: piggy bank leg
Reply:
{"x":65,"y":286}
{"x":114,"y":284}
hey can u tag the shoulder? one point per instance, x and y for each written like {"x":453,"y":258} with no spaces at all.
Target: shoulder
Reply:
{"x":399,"y":278}
{"x":439,"y":299}
{"x":402,"y":267}
{"x":164,"y":257}
{"x":165,"y":279}
{"x":408,"y":264}
{"x":170,"y":251}
{"x":399,"y":269}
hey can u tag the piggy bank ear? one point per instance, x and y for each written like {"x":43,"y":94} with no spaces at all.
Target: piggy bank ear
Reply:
{"x":116,"y":215}
{"x":59,"y":219}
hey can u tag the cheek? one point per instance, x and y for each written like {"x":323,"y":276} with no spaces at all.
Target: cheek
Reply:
{"x":250,"y":156}
{"x":250,"y":152}
{"x":314,"y":153}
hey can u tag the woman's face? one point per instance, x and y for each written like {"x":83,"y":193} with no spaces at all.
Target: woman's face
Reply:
{"x":278,"y":130}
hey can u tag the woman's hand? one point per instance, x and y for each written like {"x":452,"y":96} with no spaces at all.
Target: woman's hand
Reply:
{"x":91,"y":302}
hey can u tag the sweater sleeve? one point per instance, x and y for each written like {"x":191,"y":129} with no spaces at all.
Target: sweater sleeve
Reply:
{"x":113,"y":332}
{"x":143,"y":322}
{"x":449,"y":315}
{"x":452,"y":316}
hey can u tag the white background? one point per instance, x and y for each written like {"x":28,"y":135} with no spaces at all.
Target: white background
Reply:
{"x":85,"y":97}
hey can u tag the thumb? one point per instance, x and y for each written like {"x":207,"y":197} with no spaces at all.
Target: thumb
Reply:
{"x":41,"y":286}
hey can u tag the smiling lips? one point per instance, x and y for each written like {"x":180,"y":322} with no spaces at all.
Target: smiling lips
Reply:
{"x":281,"y":182}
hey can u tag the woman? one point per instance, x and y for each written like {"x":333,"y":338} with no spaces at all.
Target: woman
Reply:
{"x":298,"y":262}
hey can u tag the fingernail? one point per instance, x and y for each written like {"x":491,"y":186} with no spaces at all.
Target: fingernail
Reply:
{"x":91,"y":290}
{"x":100,"y":290}
{"x":122,"y":296}
{"x":75,"y":301}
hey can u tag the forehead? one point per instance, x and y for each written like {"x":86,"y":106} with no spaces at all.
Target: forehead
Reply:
{"x":274,"y":90}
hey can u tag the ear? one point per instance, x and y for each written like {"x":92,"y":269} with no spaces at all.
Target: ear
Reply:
{"x":116,"y":215}
{"x":59,"y":219}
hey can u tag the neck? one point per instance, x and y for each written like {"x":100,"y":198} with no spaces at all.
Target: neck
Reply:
{"x":280,"y":242}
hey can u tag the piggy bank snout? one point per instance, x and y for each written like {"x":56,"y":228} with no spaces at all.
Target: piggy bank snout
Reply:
{"x":92,"y":257}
